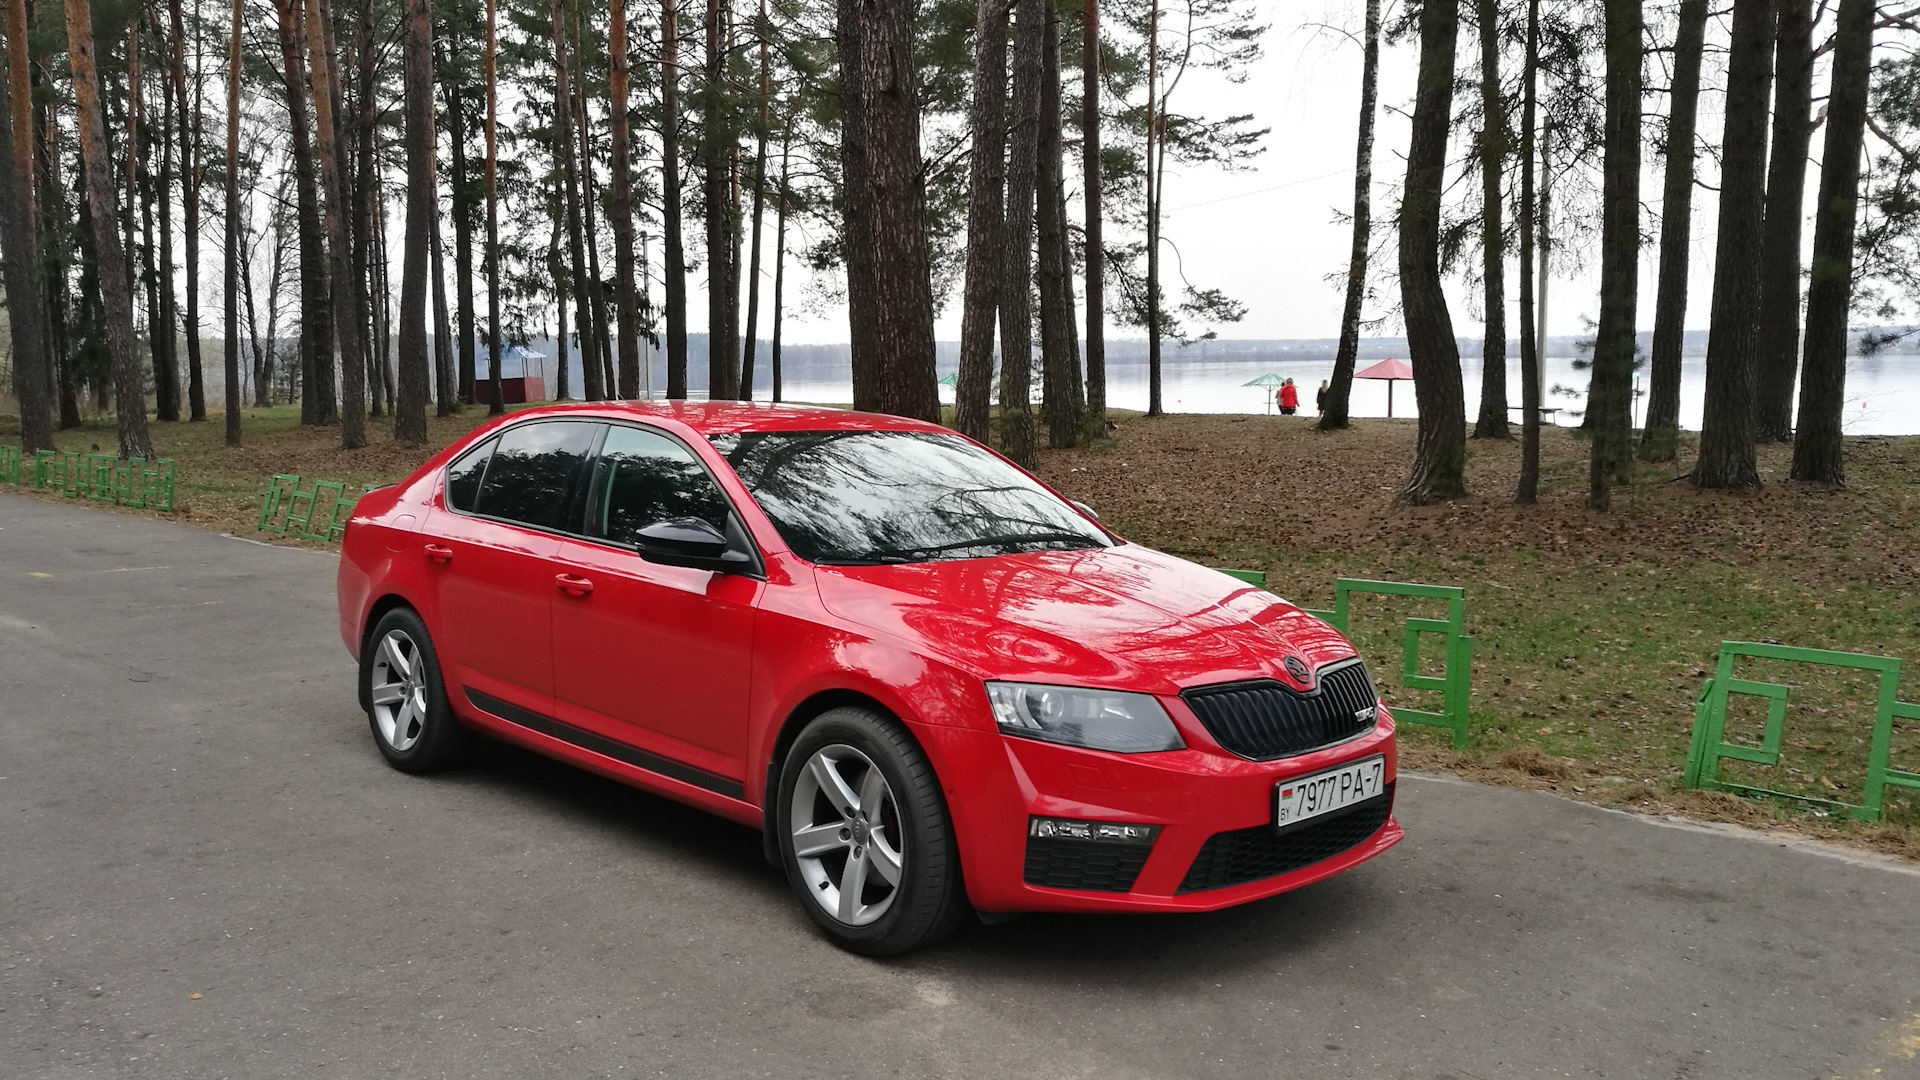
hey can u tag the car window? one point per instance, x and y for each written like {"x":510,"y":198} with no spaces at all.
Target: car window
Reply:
{"x":533,"y":471}
{"x":464,"y":475}
{"x":642,"y":477}
{"x":863,"y":497}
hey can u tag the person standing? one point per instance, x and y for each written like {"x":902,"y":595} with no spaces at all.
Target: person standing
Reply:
{"x":1289,"y":398}
{"x":1320,"y":399}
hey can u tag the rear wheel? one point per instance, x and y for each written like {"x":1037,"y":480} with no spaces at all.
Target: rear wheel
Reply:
{"x":406,"y":700}
{"x":865,"y":836}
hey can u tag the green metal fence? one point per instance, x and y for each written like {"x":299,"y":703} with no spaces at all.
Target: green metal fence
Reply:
{"x":1709,"y":746}
{"x":1454,"y":685}
{"x":10,"y":464}
{"x":316,"y":513}
{"x":106,"y":478}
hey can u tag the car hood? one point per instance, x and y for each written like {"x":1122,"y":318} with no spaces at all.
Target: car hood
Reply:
{"x":1125,"y":617}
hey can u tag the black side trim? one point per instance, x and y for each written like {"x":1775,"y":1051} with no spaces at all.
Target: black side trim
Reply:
{"x":600,"y":744}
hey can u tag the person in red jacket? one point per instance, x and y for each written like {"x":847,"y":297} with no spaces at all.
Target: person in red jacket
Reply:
{"x":1289,"y":398}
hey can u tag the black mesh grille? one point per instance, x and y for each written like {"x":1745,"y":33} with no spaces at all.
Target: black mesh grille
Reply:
{"x":1234,"y":858}
{"x":1262,"y":719}
{"x":1059,"y":863}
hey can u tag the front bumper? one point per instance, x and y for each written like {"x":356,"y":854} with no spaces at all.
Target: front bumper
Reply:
{"x":995,"y":784}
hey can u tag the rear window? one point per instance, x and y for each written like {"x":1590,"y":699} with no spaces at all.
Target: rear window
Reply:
{"x":532,"y":473}
{"x":465,"y":474}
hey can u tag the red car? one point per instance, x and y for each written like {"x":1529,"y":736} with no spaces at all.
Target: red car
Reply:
{"x":932,"y":683}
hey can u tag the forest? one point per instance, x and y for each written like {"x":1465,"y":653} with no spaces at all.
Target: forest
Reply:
{"x":557,"y":167}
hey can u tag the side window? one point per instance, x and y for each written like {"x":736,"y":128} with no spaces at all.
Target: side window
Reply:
{"x":642,"y":477}
{"x":464,"y":475}
{"x":533,"y":472}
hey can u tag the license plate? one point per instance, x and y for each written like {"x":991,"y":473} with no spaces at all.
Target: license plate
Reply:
{"x":1306,"y":797}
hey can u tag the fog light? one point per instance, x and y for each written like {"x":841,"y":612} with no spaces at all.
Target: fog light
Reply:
{"x":1110,"y":832}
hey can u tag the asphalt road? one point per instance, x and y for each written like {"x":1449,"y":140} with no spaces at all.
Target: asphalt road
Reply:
{"x":207,"y":871}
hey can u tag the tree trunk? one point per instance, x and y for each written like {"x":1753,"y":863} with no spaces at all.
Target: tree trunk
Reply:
{"x":56,"y":243}
{"x":1335,"y":416}
{"x":674,"y":270}
{"x":423,"y":233}
{"x":129,"y":389}
{"x":164,"y":318}
{"x":1017,"y":437}
{"x":349,"y":301}
{"x":1823,"y":384}
{"x":369,"y":270}
{"x":1096,"y":414}
{"x":190,"y":204}
{"x":892,"y":191}
{"x":986,"y":194}
{"x":262,"y":356}
{"x":462,"y":239}
{"x":1660,"y":442}
{"x":1726,"y":430}
{"x":857,"y":219}
{"x":590,"y":198}
{"x":779,"y":260}
{"x":1492,"y":423}
{"x":1609,"y":400}
{"x":317,"y":402}
{"x":445,"y":379}
{"x":1440,"y":458}
{"x":569,"y":171}
{"x":750,"y":340}
{"x":496,"y":406}
{"x":626,"y":302}
{"x":557,"y":267}
{"x":1528,"y":489}
{"x":19,"y":247}
{"x":715,"y":135}
{"x":1058,"y":386}
{"x":232,"y":344}
{"x":1777,"y":359}
{"x":1154,"y":135}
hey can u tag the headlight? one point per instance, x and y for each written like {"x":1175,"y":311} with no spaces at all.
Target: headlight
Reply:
{"x":1096,"y":719}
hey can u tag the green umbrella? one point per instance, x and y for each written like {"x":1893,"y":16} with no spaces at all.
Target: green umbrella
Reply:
{"x":1267,"y":382}
{"x":951,"y":380}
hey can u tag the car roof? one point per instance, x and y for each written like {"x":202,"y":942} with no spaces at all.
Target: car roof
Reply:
{"x":732,"y":417}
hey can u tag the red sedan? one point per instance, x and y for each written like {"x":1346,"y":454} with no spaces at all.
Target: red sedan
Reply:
{"x":932,"y":683}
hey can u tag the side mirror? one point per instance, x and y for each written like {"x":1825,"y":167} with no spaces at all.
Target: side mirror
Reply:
{"x":692,"y":543}
{"x":1085,"y":509}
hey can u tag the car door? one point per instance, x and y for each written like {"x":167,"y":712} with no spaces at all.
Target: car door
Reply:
{"x":654,"y":658}
{"x":492,"y":538}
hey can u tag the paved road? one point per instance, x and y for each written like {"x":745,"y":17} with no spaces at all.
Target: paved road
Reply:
{"x":206,"y":871}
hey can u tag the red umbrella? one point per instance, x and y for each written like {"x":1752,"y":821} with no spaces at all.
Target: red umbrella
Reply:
{"x":1390,"y":370}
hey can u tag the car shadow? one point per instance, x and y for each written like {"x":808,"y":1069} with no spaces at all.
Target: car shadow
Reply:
{"x":1077,"y":950}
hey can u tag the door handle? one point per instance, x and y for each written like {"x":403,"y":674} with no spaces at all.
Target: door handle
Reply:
{"x":439,"y":553}
{"x":573,"y":584}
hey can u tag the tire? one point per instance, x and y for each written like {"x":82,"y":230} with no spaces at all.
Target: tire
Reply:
{"x":405,"y":698}
{"x":823,"y":830}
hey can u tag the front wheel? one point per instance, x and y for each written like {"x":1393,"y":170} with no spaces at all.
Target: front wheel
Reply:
{"x":865,"y":837}
{"x":406,"y":700}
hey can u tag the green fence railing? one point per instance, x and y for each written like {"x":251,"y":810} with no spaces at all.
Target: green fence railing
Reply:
{"x":1709,"y":746}
{"x":1454,"y":684}
{"x":286,"y":508}
{"x":106,"y":478}
{"x":10,"y":464}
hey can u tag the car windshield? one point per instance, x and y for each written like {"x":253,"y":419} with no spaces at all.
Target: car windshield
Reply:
{"x":859,"y":498}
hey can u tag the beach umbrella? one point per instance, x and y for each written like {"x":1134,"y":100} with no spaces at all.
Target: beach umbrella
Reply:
{"x":951,"y":380}
{"x":1390,"y":370}
{"x":1268,"y":382}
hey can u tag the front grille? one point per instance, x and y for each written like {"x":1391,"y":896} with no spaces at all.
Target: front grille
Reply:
{"x":1094,"y":866}
{"x":1243,"y":855}
{"x":1262,"y":719}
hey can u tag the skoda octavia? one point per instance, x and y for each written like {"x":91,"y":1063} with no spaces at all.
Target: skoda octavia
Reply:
{"x":935,"y":685}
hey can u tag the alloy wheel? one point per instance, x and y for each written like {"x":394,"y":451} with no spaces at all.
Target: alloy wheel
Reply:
{"x":399,"y":690}
{"x":846,"y":835}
